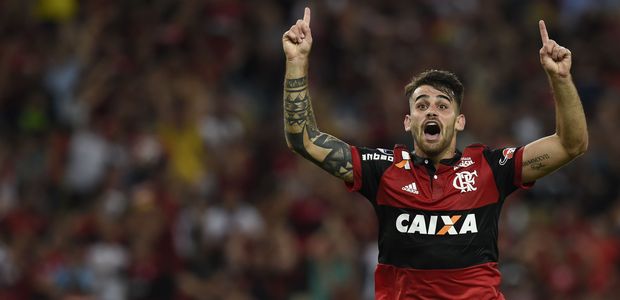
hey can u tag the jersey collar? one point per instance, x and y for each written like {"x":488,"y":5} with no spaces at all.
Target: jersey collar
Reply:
{"x":418,"y":160}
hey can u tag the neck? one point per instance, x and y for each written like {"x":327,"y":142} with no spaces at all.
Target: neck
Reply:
{"x":447,"y":153}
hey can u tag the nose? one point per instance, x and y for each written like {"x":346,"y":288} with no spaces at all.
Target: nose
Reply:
{"x":431,"y":112}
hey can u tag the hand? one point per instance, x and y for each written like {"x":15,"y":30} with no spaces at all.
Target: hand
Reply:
{"x":297,"y":41}
{"x":555,"y":59}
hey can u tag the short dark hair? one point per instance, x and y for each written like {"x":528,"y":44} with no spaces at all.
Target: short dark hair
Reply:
{"x":444,"y":81}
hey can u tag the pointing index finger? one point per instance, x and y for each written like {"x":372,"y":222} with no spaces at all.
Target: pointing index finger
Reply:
{"x":307,"y":16}
{"x":543,"y":32}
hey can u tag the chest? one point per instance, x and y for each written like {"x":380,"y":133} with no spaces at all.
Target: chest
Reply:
{"x":466,"y":185}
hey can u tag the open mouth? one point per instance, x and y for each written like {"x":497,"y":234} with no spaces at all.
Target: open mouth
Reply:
{"x":432,"y":131}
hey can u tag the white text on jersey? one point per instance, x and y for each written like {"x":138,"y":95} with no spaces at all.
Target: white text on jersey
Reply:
{"x":377,"y":156}
{"x":420,"y":225}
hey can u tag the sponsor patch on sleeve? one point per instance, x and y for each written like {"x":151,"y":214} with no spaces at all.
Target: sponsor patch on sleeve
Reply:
{"x":508,"y":153}
{"x":383,"y":155}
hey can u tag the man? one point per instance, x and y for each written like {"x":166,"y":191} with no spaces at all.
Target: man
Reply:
{"x":437,"y":207}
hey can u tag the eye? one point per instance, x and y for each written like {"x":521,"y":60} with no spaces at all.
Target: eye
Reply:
{"x":443,"y":106}
{"x":421,"y":106}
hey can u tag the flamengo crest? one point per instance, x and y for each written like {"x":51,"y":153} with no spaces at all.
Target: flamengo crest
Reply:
{"x":465,"y":181}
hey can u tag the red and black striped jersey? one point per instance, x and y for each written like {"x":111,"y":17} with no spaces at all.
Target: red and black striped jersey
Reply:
{"x":437,"y":227}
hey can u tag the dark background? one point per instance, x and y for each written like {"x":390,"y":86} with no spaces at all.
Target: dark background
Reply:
{"x":142,"y":154}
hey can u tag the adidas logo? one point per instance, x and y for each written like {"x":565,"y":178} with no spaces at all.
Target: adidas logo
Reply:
{"x":411,"y":188}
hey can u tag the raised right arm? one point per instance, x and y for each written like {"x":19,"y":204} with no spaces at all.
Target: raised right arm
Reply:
{"x":301,"y":131}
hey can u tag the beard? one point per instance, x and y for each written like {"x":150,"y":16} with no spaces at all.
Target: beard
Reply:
{"x":435,"y":148}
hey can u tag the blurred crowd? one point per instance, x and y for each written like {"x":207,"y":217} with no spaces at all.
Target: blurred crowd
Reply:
{"x":142,"y":153}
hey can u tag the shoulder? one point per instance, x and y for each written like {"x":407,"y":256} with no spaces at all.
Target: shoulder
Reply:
{"x":476,"y":147}
{"x":476,"y":150}
{"x":505,"y":151}
{"x":494,"y":156}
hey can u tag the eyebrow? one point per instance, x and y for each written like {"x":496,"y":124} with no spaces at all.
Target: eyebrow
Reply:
{"x":427,"y":96}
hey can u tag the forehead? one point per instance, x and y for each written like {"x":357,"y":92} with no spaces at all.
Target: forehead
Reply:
{"x":427,"y":90}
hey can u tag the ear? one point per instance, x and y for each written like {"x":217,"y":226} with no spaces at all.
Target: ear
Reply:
{"x":460,"y":123}
{"x":407,"y":123}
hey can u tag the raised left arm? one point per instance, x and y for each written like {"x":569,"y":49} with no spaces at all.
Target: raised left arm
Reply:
{"x":570,"y":140}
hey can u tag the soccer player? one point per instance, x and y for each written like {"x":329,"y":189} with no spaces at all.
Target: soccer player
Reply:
{"x":437,"y":207}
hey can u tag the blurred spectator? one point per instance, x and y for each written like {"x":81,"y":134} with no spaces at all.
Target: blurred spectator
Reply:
{"x":231,"y":216}
{"x":142,"y":155}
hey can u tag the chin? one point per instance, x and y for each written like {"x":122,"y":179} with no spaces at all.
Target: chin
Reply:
{"x":433,"y":152}
{"x":434,"y":148}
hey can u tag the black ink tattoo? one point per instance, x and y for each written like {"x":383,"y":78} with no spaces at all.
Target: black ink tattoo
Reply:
{"x":329,"y":153}
{"x":296,"y":110}
{"x":296,"y":83}
{"x":536,"y":163}
{"x":537,"y":166}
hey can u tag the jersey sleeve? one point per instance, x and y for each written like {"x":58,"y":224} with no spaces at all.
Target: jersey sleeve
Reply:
{"x":506,"y":164}
{"x":368,"y":167}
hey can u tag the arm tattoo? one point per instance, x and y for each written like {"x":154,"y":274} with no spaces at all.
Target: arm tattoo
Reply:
{"x":297,"y":83}
{"x":296,"y":110}
{"x":536,"y":163}
{"x":302,"y":133}
{"x":297,"y":107}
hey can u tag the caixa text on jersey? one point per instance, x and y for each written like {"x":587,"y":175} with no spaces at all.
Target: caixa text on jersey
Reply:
{"x":420,"y":225}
